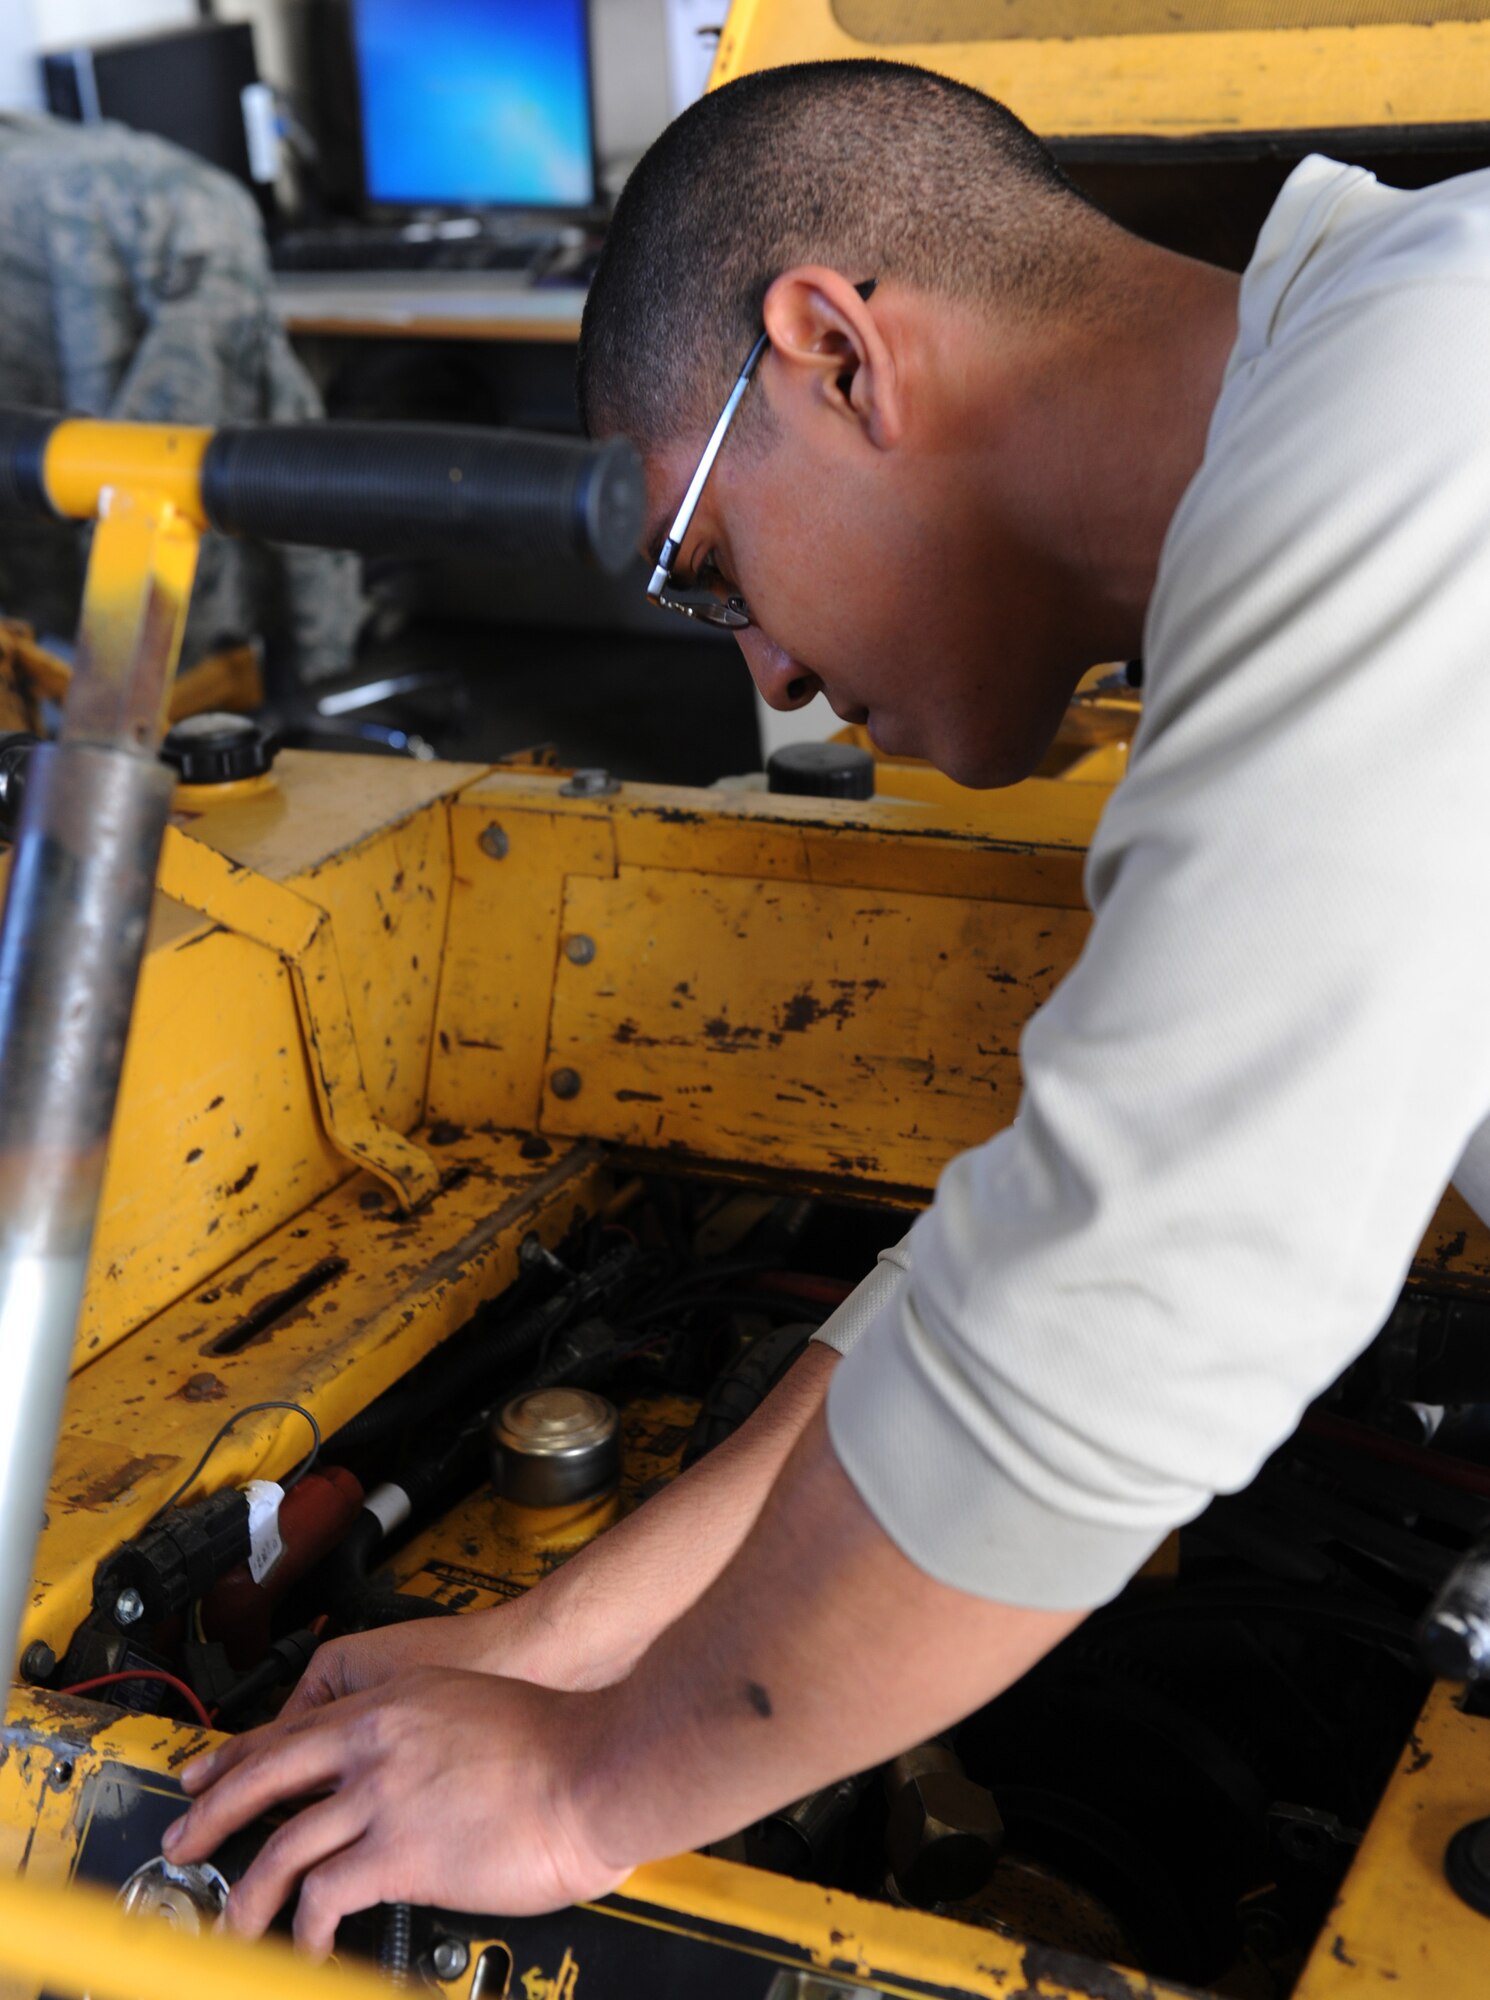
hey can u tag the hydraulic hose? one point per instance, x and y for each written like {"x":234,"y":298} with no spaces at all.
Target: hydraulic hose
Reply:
{"x":414,"y":489}
{"x":450,"y":1379}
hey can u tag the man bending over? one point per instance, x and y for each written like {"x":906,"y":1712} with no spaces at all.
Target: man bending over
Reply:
{"x":990,"y":439}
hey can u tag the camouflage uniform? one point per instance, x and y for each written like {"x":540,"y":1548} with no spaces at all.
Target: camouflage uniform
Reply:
{"x":134,"y":284}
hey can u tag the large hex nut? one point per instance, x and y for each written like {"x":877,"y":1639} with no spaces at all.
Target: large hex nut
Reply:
{"x":944,"y":1835}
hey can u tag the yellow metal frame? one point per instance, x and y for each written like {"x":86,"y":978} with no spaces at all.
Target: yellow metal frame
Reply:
{"x":299,"y":932}
{"x":160,"y":464}
{"x":1183,"y":85}
{"x":29,"y":675}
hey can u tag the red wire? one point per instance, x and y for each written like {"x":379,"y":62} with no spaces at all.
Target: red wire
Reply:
{"x":1439,"y":1465}
{"x":804,"y":1285}
{"x":145,"y":1674}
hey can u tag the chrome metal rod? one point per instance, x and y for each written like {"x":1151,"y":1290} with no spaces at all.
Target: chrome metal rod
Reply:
{"x":71,"y":940}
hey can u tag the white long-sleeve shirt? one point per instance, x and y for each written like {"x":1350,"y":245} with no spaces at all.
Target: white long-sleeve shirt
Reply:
{"x":1243,"y":1103}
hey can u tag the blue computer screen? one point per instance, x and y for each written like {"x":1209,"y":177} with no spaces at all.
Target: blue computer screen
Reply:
{"x":468,"y":102}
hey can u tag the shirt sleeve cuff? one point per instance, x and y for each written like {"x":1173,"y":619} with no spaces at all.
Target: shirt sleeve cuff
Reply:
{"x":945,"y":1504}
{"x":843,"y":1326}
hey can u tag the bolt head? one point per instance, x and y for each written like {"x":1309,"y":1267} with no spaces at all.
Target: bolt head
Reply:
{"x":492,"y":840}
{"x":592,"y":783}
{"x":38,"y":1663}
{"x":565,"y":1083}
{"x":943,"y":1836}
{"x":580,"y":950}
{"x":129,"y":1607}
{"x":450,"y":1958}
{"x":1455,"y":1643}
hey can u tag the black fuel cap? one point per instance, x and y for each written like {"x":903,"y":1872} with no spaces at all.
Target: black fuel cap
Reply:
{"x":1467,"y":1864}
{"x":217,"y":748}
{"x":16,"y":752}
{"x":822,"y":771}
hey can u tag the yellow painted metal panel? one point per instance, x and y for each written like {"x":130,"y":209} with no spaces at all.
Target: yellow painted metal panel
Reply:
{"x":1455,"y":1251}
{"x":57,"y":1744}
{"x":511,"y":852}
{"x":826,"y":1029}
{"x":217,"y":1139}
{"x":389,"y":903}
{"x":299,"y":932}
{"x":1398,"y":1928}
{"x":1026,"y":848}
{"x":324,"y":805}
{"x":1046,"y":20}
{"x":1176,"y":85}
{"x":1026,"y":843}
{"x":854,"y":1937}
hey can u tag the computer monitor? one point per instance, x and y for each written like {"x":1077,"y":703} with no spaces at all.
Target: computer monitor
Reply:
{"x":185,"y":84}
{"x":475,"y":104}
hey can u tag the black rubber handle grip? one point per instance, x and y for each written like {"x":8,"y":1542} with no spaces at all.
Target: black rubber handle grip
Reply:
{"x":436,"y":489}
{"x":23,"y":443}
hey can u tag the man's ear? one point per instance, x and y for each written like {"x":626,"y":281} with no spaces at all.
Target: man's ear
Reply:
{"x":829,"y":347}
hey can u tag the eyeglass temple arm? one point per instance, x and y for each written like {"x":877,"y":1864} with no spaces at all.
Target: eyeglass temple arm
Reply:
{"x":668,"y":554}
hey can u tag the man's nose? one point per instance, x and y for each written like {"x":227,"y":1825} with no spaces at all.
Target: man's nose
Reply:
{"x":784,"y":683}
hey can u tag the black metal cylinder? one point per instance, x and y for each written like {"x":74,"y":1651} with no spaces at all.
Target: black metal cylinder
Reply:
{"x":438,"y":489}
{"x":23,"y":444}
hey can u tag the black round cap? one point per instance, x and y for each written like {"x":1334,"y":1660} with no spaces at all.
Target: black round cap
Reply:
{"x":822,"y":771}
{"x":216,"y":748}
{"x":1466,"y":1862}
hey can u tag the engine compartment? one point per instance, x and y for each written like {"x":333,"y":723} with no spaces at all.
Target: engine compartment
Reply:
{"x":1180,"y":1787}
{"x":450,"y":1085}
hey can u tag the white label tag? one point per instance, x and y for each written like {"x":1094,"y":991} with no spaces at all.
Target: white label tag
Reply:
{"x":264,"y":1545}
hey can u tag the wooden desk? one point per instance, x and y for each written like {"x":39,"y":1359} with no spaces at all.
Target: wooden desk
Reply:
{"x":429,"y":305}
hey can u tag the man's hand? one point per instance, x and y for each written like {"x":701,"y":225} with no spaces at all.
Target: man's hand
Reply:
{"x":819,"y":1651}
{"x":446,"y":1787}
{"x":368,"y":1660}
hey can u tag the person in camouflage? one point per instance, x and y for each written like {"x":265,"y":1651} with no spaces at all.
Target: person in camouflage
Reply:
{"x":136,"y":286}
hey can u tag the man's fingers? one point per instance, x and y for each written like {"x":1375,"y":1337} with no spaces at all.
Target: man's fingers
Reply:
{"x":294,"y":1764}
{"x":313,"y":1690}
{"x":206,"y":1770}
{"x":289,"y":1852}
{"x":351,"y":1880}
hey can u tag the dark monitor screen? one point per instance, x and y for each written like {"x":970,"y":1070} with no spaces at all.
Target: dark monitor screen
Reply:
{"x":475,"y":103}
{"x":185,"y":85}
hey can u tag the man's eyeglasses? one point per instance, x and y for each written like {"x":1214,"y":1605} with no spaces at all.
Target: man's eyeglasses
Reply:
{"x":696,"y":599}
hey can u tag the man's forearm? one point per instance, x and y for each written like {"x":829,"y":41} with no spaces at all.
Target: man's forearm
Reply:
{"x":820,"y":1650}
{"x":608,"y":1603}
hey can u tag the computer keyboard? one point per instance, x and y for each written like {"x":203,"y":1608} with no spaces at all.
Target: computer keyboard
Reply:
{"x":417,"y":246}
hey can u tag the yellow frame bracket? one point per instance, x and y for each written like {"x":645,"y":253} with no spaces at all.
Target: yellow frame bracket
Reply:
{"x":299,"y":931}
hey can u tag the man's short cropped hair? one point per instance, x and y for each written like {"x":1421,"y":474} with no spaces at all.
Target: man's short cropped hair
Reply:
{"x":877,"y":169}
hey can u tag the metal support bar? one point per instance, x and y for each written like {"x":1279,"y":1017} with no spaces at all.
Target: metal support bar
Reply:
{"x":82,"y":879}
{"x":76,"y":1940}
{"x":300,"y":932}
